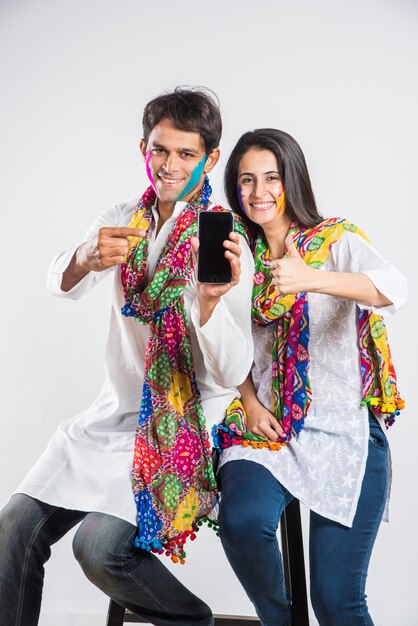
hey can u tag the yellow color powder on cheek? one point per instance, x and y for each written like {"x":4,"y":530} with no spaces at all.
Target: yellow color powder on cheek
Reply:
{"x":281,"y":203}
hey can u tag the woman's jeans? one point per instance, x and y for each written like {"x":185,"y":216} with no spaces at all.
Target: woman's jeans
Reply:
{"x":103,"y":546}
{"x":251,"y":505}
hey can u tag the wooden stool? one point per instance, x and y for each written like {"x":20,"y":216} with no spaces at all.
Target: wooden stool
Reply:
{"x":294,"y":562}
{"x":294,"y":571}
{"x":118,"y":616}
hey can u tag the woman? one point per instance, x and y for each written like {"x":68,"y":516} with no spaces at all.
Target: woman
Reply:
{"x":322,"y":386}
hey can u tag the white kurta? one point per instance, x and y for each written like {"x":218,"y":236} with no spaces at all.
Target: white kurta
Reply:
{"x":87,"y":464}
{"x":324,"y":466}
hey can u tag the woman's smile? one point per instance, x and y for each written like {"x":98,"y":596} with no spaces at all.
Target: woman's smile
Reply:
{"x":262,"y":206}
{"x":260,"y":189}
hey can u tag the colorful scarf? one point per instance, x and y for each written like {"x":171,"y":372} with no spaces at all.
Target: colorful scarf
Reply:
{"x":289,"y":316}
{"x":172,"y":476}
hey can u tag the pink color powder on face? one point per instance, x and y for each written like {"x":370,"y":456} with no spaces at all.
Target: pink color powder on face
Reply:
{"x":148,"y":156}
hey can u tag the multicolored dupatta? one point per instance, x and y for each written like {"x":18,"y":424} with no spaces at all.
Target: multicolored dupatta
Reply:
{"x":172,"y":476}
{"x":289,"y":316}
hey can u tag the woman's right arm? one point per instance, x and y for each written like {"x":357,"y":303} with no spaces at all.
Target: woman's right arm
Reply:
{"x":360,"y":274}
{"x":260,"y":421}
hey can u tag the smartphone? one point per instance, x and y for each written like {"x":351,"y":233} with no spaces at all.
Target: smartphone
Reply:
{"x":214,"y":229}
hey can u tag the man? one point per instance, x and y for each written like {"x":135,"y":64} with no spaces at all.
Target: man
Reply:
{"x":197,"y":337}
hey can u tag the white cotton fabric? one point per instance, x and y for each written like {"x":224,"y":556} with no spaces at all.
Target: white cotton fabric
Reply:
{"x":87,"y":464}
{"x":324,"y":466}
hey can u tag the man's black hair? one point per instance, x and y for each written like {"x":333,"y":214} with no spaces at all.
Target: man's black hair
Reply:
{"x":191,"y":109}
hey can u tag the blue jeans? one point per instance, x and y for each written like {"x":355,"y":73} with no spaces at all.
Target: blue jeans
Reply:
{"x":103,"y":547}
{"x":251,"y":505}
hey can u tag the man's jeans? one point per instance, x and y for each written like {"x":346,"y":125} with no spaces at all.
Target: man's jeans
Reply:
{"x":103,"y":547}
{"x":251,"y":505}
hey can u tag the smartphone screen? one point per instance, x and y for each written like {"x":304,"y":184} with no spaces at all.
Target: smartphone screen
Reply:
{"x":214,"y":229}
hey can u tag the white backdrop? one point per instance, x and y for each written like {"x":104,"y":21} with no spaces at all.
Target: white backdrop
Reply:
{"x":341,"y":77}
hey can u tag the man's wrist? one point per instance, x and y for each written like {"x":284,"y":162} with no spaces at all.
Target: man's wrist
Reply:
{"x":73,"y":274}
{"x":207,"y":306}
{"x":82,"y":258}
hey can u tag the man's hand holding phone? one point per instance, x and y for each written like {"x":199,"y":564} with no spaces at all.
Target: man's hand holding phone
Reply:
{"x":218,"y":260}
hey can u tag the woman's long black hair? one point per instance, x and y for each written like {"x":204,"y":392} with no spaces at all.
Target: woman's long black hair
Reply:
{"x":300,"y":200}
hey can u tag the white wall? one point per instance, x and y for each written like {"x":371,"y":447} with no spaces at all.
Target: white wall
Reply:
{"x":339,"y":76}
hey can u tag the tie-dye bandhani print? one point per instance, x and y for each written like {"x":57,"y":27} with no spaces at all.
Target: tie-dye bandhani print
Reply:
{"x":289,"y":317}
{"x":172,"y":476}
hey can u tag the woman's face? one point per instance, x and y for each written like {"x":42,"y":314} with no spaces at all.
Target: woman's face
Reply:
{"x":260,"y":190}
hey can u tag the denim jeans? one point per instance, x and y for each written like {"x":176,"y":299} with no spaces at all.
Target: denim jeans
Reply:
{"x":103,"y":547}
{"x":251,"y":505}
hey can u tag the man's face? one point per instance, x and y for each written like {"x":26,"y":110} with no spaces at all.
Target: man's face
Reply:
{"x":176,"y":162}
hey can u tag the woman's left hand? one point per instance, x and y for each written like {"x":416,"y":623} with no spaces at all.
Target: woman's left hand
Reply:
{"x":208,"y":294}
{"x":291,"y":274}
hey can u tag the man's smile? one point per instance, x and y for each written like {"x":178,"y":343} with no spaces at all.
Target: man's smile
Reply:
{"x":167,"y":181}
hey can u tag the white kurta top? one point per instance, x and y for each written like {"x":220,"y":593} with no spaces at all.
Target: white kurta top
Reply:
{"x":324,"y":466}
{"x":87,"y":464}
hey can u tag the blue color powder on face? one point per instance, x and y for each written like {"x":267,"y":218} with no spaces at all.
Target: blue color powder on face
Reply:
{"x":194,"y":178}
{"x":240,"y":198}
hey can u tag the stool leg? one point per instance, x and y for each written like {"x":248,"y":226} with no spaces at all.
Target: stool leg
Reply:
{"x":230,"y":620}
{"x":294,"y":563}
{"x":115,"y":614}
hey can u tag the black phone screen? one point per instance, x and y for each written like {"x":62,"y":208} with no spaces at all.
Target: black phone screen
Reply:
{"x":214,"y":229}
